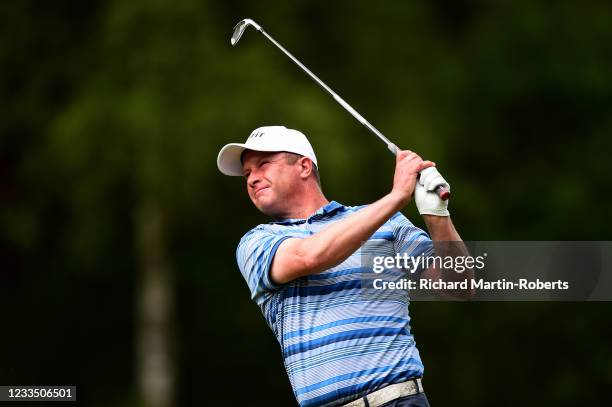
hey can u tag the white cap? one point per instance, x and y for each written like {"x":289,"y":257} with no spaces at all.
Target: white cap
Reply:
{"x":268,"y":138}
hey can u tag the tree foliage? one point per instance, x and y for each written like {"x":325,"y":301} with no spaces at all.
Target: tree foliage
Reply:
{"x":108,"y":107}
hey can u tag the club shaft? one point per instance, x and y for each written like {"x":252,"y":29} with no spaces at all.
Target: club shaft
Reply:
{"x":392,"y":147}
{"x":441,"y":191}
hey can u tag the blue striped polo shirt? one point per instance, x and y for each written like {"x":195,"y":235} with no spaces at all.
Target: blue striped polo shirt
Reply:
{"x":337,"y":344}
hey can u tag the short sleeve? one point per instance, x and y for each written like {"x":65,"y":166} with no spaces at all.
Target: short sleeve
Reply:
{"x":410,"y":239}
{"x":254,"y":255}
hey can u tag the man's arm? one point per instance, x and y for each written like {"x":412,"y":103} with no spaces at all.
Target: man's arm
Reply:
{"x":447,"y":242}
{"x":296,"y":258}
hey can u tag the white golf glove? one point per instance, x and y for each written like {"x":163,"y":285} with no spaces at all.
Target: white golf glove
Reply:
{"x":427,"y":201}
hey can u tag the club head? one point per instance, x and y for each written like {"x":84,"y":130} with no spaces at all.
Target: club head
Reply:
{"x":240,"y":27}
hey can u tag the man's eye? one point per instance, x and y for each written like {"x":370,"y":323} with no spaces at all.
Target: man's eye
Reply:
{"x":264,"y":163}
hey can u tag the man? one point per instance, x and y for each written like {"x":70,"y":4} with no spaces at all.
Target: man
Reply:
{"x":304,"y":271}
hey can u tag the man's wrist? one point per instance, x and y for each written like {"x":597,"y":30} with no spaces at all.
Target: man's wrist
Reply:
{"x":441,"y":228}
{"x":433,"y":221}
{"x":399,"y":199}
{"x":437,"y":212}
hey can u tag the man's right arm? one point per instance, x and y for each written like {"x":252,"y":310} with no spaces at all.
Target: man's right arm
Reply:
{"x":296,"y":258}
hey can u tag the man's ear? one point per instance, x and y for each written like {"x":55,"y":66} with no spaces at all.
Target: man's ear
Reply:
{"x":305,"y":167}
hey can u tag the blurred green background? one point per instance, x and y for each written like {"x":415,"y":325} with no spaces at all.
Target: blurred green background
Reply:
{"x":118,"y":233}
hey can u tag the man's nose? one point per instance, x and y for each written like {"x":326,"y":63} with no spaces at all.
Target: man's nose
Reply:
{"x":253,"y":179}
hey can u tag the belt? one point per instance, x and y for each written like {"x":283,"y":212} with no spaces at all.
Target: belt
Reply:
{"x":389,"y":393}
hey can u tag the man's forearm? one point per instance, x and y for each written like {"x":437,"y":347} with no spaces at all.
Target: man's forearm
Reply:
{"x":447,"y":242}
{"x":441,"y":228}
{"x":334,"y":244}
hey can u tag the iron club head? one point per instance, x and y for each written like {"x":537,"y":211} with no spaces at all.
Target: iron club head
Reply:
{"x":240,"y":27}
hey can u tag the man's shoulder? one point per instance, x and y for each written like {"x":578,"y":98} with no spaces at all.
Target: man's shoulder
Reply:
{"x":252,"y":232}
{"x":354,"y":208}
{"x":395,"y":223}
{"x":395,"y":218}
{"x":265,"y":229}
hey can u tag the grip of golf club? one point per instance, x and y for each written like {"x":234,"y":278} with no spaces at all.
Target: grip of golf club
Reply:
{"x":443,"y":193}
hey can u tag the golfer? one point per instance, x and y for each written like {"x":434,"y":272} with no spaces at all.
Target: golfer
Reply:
{"x":304,"y":271}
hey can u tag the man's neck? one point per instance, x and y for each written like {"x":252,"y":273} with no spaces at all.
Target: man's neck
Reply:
{"x":307,"y":208}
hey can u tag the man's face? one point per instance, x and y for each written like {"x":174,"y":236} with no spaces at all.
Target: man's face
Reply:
{"x":270,"y":180}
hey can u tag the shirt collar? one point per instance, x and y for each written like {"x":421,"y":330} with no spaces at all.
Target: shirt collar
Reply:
{"x":328,"y":209}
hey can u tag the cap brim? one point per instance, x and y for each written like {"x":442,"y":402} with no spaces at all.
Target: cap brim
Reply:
{"x":228,"y":159}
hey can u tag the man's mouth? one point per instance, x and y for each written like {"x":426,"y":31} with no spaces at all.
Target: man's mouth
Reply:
{"x":257,"y":191}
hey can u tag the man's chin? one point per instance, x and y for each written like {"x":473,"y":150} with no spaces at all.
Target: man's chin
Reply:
{"x":263,"y":205}
{"x":268,"y":208}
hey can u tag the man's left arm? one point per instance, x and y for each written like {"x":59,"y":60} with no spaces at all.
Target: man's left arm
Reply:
{"x":446,"y":240}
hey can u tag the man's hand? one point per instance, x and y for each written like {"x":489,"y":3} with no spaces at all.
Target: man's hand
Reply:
{"x":407,"y":167}
{"x":427,"y":201}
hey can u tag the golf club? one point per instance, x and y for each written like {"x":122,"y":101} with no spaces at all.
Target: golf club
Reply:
{"x":443,"y":192}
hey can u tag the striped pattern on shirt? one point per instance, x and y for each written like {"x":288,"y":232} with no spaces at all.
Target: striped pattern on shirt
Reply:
{"x":337,"y":344}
